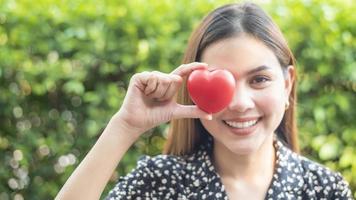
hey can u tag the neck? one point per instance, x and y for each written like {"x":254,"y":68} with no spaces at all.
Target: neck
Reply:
{"x":248,"y":167}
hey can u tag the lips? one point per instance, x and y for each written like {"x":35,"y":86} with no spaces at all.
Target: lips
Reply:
{"x":242,"y":126}
{"x":245,"y":124}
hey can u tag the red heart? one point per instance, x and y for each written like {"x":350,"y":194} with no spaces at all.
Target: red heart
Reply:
{"x":211,"y":91}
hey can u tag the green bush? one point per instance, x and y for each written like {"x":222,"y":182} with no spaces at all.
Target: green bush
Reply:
{"x":322,"y":37}
{"x":65,"y":65}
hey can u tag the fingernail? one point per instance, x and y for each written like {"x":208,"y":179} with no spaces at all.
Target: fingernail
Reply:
{"x":209,"y":117}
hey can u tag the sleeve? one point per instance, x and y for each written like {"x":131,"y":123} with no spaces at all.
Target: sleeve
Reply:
{"x":136,"y":184}
{"x":341,"y":189}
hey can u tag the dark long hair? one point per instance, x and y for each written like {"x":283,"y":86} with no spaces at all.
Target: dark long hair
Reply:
{"x":225,"y":22}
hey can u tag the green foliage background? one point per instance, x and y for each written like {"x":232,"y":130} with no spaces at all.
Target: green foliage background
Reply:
{"x":65,"y":65}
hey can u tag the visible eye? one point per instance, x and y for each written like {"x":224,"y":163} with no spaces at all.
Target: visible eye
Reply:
{"x":260,"y":81}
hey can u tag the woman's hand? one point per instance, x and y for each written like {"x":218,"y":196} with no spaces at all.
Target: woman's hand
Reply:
{"x":149,"y":99}
{"x":149,"y":102}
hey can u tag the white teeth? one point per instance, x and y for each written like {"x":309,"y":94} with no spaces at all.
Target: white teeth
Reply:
{"x":241,"y":124}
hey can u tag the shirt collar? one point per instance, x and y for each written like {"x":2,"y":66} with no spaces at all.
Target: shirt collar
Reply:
{"x":287,"y":168}
{"x":288,"y":173}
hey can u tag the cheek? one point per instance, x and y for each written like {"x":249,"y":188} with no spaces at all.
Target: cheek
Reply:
{"x":271,"y":101}
{"x":212,"y":126}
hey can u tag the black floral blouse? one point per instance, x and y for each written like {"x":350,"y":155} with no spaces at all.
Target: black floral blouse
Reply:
{"x":194,"y":177}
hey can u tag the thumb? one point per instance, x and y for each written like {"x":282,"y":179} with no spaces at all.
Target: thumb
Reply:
{"x":190,"y":111}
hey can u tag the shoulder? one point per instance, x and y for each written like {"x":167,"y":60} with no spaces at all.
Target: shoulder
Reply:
{"x":154,"y":177}
{"x":323,"y":180}
{"x":159,"y":168}
{"x":162,"y":161}
{"x":314,"y":179}
{"x":165,"y":168}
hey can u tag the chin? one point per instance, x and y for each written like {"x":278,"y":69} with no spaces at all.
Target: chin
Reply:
{"x":243,"y":150}
{"x":240,"y":147}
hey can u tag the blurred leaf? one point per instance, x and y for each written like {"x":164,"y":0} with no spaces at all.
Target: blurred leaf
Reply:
{"x":74,"y":87}
{"x":330,"y":150}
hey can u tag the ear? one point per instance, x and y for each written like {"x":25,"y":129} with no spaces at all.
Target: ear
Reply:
{"x":289,"y":79}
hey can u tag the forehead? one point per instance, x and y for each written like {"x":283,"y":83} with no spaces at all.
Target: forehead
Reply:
{"x":239,"y":53}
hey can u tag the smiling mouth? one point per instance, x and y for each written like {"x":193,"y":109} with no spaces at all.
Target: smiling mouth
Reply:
{"x":241,"y":125}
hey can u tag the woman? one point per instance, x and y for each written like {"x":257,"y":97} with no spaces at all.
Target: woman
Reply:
{"x":246,"y":151}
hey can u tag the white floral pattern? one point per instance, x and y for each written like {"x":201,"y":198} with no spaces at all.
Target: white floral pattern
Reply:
{"x":194,"y":177}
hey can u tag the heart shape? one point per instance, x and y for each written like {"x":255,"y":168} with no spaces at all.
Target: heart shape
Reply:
{"x":211,"y":91}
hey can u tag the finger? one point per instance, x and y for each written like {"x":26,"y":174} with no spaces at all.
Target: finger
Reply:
{"x":162,"y":87}
{"x":176,"y":82}
{"x":151,"y":84}
{"x":190,"y":111}
{"x":175,"y":78}
{"x":186,"y":69}
{"x":139,"y":80}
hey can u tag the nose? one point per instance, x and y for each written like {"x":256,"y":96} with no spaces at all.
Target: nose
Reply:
{"x":242,"y":100}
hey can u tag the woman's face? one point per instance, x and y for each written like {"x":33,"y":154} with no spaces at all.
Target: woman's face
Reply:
{"x":260,"y":96}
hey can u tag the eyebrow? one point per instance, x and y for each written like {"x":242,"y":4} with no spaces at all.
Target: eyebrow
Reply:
{"x":257,"y":69}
